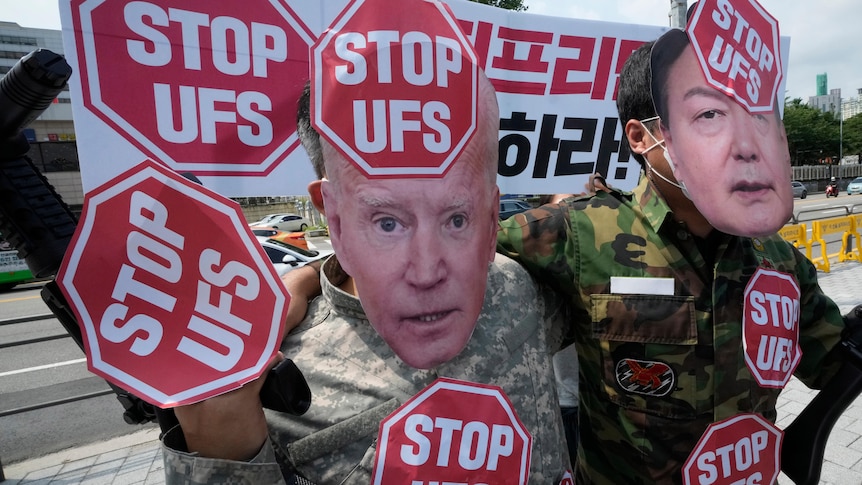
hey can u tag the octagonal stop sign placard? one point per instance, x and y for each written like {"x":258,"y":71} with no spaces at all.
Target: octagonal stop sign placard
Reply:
{"x":770,"y":327}
{"x":744,"y":449}
{"x":200,"y":86}
{"x":737,"y":47}
{"x":395,"y":93}
{"x":176,"y":300}
{"x":453,"y":432}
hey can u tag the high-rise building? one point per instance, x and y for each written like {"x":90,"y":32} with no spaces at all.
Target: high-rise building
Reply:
{"x":55,"y":124}
{"x":830,"y":103}
{"x":853,"y":106}
{"x":677,"y":13}
{"x":822,"y":84}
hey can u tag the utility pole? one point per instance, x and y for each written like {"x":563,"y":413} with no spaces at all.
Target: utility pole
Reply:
{"x":678,"y":9}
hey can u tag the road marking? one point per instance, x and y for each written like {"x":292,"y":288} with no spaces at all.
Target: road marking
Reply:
{"x":42,"y":367}
{"x":20,"y":299}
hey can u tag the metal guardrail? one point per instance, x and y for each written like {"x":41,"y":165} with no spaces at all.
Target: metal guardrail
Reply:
{"x":56,"y":402}
{"x":848,"y":209}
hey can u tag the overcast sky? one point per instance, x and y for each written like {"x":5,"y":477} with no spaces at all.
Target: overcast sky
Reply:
{"x":823,"y":38}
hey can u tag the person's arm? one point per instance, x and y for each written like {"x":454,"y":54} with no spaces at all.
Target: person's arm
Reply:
{"x":539,"y":240}
{"x":303,"y":284}
{"x":220,"y":438}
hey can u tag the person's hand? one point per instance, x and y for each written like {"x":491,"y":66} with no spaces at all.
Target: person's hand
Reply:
{"x":597,"y":182}
{"x":303,"y":284}
{"x":230,"y":426}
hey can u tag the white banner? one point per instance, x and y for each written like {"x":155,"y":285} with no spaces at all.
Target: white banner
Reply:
{"x":211,"y":87}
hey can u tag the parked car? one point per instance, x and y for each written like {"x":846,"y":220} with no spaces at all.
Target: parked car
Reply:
{"x":293,"y":238}
{"x":263,"y":220}
{"x":286,"y":257}
{"x":510,"y":207}
{"x":855,"y":186}
{"x":799,"y":189}
{"x":287,"y":222}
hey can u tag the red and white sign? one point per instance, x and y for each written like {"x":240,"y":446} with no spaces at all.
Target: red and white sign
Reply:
{"x":770,"y":327}
{"x":737,"y":45}
{"x":203,"y":83}
{"x":396,"y":94}
{"x":742,"y":450}
{"x":453,"y":432}
{"x":176,"y":299}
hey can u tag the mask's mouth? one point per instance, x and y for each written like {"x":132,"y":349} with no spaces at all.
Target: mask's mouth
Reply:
{"x":429,"y":317}
{"x":750,"y":187}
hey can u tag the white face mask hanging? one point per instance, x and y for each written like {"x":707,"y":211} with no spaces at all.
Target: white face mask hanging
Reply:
{"x":679,"y":185}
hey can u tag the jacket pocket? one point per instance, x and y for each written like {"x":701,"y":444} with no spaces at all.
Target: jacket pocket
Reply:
{"x":649,"y":353}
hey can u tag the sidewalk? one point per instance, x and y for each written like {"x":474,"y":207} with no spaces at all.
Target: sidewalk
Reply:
{"x":137,"y":459}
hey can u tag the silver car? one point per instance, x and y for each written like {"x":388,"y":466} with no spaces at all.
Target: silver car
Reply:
{"x":799,"y":189}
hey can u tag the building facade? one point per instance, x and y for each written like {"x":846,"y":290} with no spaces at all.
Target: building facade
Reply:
{"x":52,"y":134}
{"x":830,"y":103}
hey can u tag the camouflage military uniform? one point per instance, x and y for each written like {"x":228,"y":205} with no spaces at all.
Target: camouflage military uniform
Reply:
{"x":646,"y":436}
{"x":356,"y":381}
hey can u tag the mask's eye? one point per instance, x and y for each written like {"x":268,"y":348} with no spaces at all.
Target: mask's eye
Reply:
{"x":709,"y":115}
{"x":387,"y":224}
{"x":459,"y":221}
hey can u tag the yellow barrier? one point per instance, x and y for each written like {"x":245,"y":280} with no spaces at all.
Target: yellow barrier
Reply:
{"x":796,"y":234}
{"x":834,"y":225}
{"x":854,"y":254}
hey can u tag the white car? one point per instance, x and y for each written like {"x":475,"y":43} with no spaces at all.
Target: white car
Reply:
{"x":287,"y":223}
{"x":263,"y":220}
{"x":286,"y":257}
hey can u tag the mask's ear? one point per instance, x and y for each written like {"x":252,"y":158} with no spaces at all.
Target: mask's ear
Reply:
{"x":316,"y":196}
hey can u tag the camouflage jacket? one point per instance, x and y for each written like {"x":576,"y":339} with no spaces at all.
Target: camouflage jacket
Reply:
{"x":640,"y":435}
{"x":356,"y":381}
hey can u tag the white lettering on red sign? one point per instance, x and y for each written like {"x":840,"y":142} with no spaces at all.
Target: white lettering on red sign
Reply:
{"x":478,"y":446}
{"x":737,"y":46}
{"x":734,"y":457}
{"x":450,"y":431}
{"x":424,"y":62}
{"x":732,"y":60}
{"x":436,"y":58}
{"x":771,"y":327}
{"x":156,"y":239}
{"x":741,"y":450}
{"x":251,"y":46}
{"x":237,"y":50}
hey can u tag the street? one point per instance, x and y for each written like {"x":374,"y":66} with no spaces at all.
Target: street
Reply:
{"x":44,"y":371}
{"x":40,"y":363}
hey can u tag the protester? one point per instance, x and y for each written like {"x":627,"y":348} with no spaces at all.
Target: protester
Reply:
{"x":659,"y":302}
{"x":414,"y":292}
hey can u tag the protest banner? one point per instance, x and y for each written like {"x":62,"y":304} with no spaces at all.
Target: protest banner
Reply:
{"x":211,"y":89}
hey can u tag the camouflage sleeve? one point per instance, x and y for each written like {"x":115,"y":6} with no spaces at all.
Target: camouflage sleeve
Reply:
{"x":820,"y":329}
{"x":542,"y":240}
{"x":183,"y":468}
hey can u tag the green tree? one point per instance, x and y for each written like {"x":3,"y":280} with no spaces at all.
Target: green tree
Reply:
{"x":517,"y":5}
{"x":853,"y":136}
{"x":811,"y":134}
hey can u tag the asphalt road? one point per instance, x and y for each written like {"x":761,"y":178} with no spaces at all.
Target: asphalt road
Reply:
{"x":43,"y":371}
{"x":39,"y":364}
